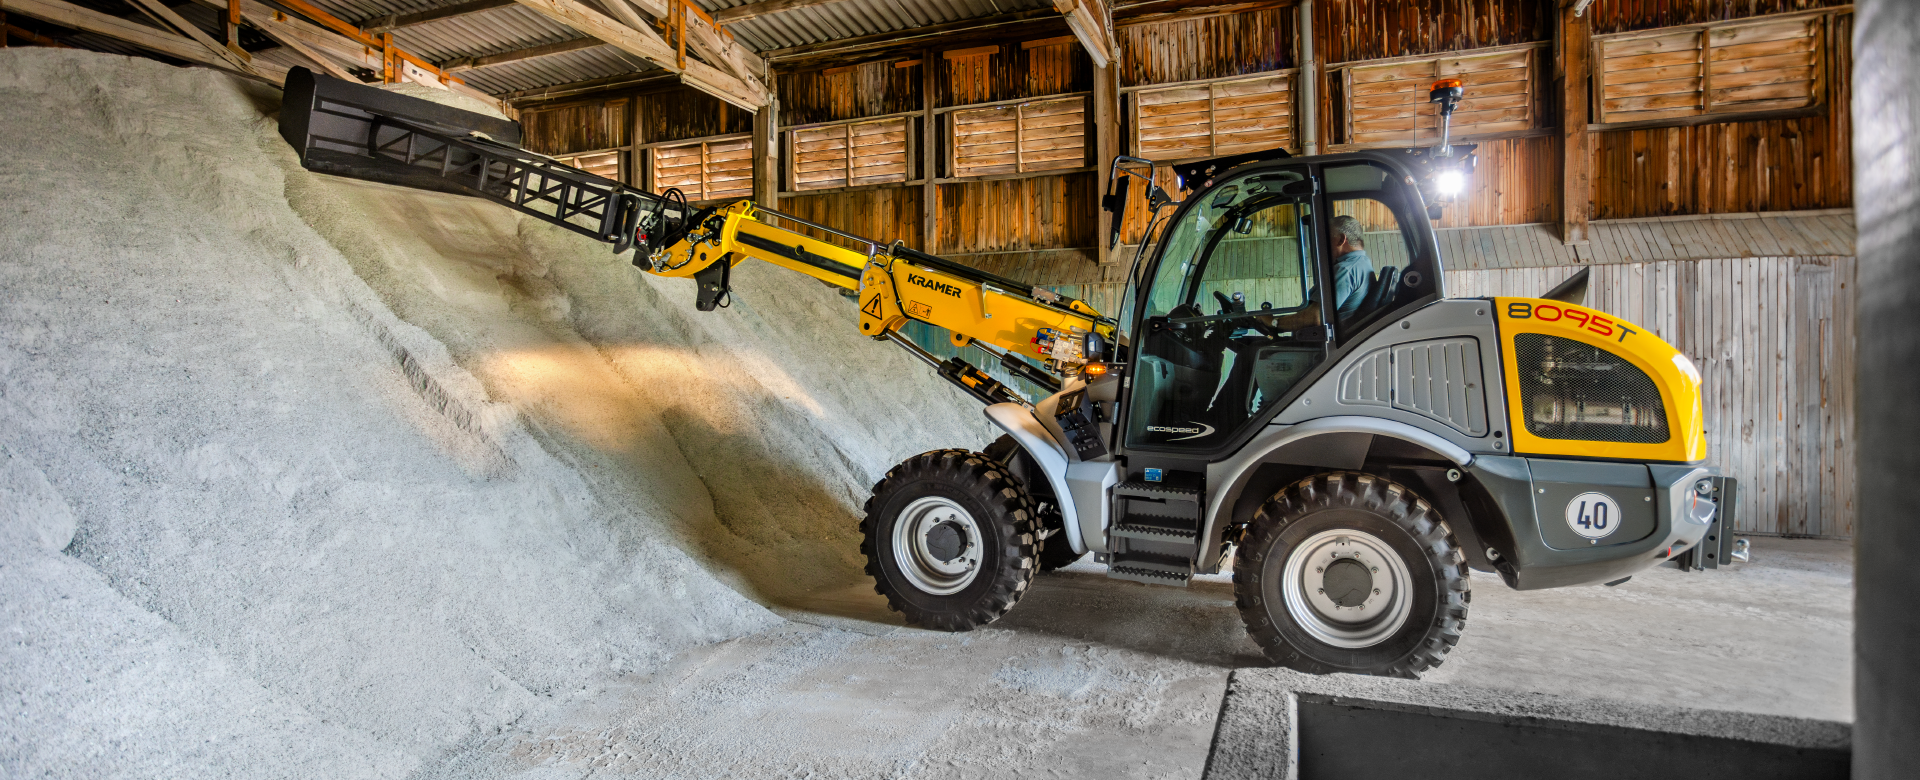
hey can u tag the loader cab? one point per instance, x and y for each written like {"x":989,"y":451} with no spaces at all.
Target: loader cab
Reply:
{"x":1261,"y":278}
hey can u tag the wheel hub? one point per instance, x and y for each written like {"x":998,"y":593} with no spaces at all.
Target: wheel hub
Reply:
{"x":936,"y":545}
{"x":1347,"y":588}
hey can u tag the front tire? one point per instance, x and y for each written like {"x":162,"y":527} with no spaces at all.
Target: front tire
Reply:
{"x":950,"y":540}
{"x":1350,"y":572}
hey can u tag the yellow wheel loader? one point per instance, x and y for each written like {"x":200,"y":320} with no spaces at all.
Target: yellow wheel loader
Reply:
{"x":1287,"y":391}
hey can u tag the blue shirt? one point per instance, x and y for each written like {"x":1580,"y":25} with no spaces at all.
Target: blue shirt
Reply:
{"x":1350,"y":281}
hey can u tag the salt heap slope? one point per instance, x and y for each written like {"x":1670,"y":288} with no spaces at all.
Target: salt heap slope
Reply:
{"x":303,"y":477}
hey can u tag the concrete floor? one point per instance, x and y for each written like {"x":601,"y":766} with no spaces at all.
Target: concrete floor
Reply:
{"x":1091,"y":677}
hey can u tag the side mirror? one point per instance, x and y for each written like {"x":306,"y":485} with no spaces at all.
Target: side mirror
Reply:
{"x":1119,"y":181}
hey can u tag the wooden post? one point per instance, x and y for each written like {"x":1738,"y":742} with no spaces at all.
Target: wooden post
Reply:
{"x":679,"y":33}
{"x":1572,"y":72}
{"x":766,"y":154}
{"x":387,"y":72}
{"x":929,"y":158}
{"x":233,"y":26}
{"x":1307,"y":85}
{"x":1106,"y":145}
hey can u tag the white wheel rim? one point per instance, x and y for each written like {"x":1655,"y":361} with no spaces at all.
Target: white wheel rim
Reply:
{"x":923,"y":533}
{"x":1322,"y":588}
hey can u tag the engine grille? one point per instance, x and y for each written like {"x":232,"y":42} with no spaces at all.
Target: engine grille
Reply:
{"x":1571,"y":390}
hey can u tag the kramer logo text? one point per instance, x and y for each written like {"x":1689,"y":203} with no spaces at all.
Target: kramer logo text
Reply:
{"x":939,"y":287}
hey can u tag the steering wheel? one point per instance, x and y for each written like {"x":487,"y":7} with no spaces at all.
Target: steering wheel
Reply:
{"x":1227,"y":306}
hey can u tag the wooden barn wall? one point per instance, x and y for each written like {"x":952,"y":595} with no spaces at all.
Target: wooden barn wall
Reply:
{"x":1210,"y":47}
{"x":1617,"y":16}
{"x":850,"y":92}
{"x":1774,"y":340}
{"x":1013,"y":215}
{"x":1013,"y":72}
{"x":1348,"y":30}
{"x":1517,"y":182}
{"x":576,"y":127}
{"x":883,"y":215}
{"x":684,"y":112}
{"x":1729,"y":167}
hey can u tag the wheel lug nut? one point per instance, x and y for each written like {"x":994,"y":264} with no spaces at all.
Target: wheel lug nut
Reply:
{"x":1321,"y":591}
{"x":1319,"y":570}
{"x":1376,"y":568}
{"x":1376,"y":591}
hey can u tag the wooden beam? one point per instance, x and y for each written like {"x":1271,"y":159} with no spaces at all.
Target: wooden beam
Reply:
{"x":916,"y":36}
{"x":352,"y":33}
{"x":318,"y":42}
{"x":652,"y":80}
{"x":1572,"y":71}
{"x":397,"y":21}
{"x":648,"y":45}
{"x":160,"y":12}
{"x":717,"y":46}
{"x":766,"y":155}
{"x":1094,"y":28}
{"x":751,"y":10}
{"x":1106,"y":145}
{"x":29,"y":35}
{"x":284,"y":38}
{"x":129,"y":31}
{"x":517,"y":55}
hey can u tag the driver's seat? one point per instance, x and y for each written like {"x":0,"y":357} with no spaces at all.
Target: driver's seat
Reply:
{"x":1381,"y":292}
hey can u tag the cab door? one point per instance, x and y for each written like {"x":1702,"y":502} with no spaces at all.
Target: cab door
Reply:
{"x":1229,"y":317}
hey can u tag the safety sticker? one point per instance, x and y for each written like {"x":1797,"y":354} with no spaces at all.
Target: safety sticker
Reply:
{"x":918,"y":310}
{"x":872,"y":309}
{"x":1593,"y":515}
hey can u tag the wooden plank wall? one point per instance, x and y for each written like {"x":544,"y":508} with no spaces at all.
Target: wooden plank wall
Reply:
{"x":1773,"y":337}
{"x":1350,"y":30}
{"x":1164,"y":49}
{"x":881,"y":214}
{"x":1518,"y":180}
{"x":1013,"y":71}
{"x":1615,"y":16}
{"x":683,"y":112}
{"x":579,"y":127}
{"x":879,"y":88}
{"x":1012,"y":215}
{"x":1727,"y":167}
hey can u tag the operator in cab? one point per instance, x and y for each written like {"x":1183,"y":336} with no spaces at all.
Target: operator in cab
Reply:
{"x":1352,"y":269}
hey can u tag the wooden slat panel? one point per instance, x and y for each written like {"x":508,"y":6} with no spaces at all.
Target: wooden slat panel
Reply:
{"x":1764,"y":66}
{"x":1194,"y":121}
{"x":1389,"y":106}
{"x":850,"y":153}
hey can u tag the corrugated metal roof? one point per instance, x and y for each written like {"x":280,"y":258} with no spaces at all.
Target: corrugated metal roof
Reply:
{"x":514,"y":28}
{"x":853,"y":18}
{"x":481,"y":34}
{"x":568,"y":68}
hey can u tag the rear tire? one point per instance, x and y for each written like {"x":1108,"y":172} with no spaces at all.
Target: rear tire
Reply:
{"x":950,"y":539}
{"x":1350,"y":572}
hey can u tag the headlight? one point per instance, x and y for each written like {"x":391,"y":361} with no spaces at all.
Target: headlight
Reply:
{"x":1686,"y":366}
{"x":1450,"y":183}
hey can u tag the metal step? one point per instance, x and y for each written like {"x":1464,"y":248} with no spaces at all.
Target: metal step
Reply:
{"x":1161,"y":490}
{"x":1134,"y":500}
{"x":1151,"y":569}
{"x":1134,"y":528}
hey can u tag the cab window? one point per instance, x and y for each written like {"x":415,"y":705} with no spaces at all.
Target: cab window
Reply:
{"x":1373,"y":266}
{"x":1231,"y":314}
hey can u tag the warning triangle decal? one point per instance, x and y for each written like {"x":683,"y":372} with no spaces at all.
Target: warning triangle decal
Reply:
{"x":872,"y":309}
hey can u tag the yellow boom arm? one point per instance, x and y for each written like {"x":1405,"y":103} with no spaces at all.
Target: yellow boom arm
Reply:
{"x":895,"y":284}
